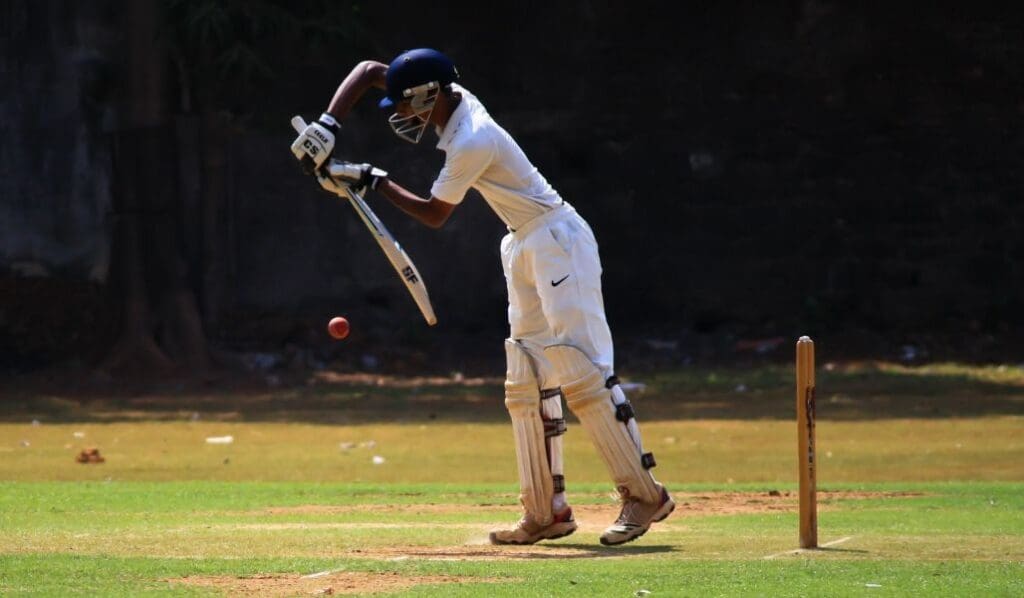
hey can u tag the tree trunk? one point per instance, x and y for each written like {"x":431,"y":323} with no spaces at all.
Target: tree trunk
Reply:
{"x":216,"y":234}
{"x":135,"y":349}
{"x":152,"y":276}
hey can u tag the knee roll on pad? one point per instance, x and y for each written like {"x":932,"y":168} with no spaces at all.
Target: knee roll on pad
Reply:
{"x":588,"y":398}
{"x":522,"y":399}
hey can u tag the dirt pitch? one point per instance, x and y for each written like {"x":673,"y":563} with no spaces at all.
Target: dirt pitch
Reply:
{"x":591,"y":518}
{"x":325,"y":583}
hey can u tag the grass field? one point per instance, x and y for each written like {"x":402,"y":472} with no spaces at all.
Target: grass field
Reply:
{"x":362,"y":484}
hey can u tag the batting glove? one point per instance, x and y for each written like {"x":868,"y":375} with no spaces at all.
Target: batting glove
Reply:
{"x":315,"y":144}
{"x":357,"y":176}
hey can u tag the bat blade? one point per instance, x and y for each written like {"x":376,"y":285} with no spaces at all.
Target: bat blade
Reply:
{"x":399,"y":259}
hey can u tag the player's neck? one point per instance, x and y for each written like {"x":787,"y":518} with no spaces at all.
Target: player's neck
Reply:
{"x":445,"y":108}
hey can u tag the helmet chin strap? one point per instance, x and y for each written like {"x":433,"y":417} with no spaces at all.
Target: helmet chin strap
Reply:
{"x":411,"y":127}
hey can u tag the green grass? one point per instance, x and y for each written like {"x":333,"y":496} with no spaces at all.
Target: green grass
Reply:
{"x":714,"y":451}
{"x":103,"y":538}
{"x":920,"y":478}
{"x":113,"y":576}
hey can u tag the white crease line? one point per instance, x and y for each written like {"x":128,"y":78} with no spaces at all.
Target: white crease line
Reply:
{"x":322,"y":573}
{"x":799,"y":550}
{"x":330,"y":525}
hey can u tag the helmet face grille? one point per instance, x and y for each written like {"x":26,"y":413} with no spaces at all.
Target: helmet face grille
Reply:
{"x":422,"y":100}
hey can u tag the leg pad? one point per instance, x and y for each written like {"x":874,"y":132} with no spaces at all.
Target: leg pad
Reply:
{"x":591,"y":401}
{"x":522,"y":399}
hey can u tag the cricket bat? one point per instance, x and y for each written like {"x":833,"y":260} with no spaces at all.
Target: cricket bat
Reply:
{"x":399,"y":259}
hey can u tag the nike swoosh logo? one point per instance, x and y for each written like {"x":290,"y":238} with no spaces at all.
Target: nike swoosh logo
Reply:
{"x":555,"y":284}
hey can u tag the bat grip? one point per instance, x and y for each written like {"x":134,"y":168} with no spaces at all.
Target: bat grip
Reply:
{"x":308,"y":165}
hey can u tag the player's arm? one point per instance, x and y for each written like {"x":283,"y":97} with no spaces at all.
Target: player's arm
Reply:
{"x":314,"y":145}
{"x":366,"y":74}
{"x":430,"y":211}
{"x":461,"y":169}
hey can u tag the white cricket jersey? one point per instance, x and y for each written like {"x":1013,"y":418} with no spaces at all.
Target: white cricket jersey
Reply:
{"x":482,"y":155}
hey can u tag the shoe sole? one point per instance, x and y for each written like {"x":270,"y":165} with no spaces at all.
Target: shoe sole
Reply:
{"x":671,"y":507}
{"x":497,"y":542}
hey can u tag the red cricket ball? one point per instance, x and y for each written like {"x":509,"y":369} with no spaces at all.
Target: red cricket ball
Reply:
{"x":338,"y":327}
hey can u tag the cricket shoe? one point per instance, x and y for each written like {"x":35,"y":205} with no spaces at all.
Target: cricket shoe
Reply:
{"x":528,"y":531}
{"x":636,"y":518}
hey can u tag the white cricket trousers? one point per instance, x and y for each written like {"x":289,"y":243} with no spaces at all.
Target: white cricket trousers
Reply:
{"x":553,"y":273}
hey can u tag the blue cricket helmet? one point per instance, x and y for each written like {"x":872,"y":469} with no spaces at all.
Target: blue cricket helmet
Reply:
{"x":414,"y":68}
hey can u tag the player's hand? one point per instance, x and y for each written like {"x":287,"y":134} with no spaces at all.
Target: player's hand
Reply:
{"x":315,"y":144}
{"x":357,"y":176}
{"x":330,"y":185}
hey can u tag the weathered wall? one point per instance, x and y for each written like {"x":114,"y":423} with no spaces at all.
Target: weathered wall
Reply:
{"x":54,"y":167}
{"x":750,"y":169}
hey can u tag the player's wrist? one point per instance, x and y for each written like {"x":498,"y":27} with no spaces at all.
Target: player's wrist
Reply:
{"x":328,"y":120}
{"x":372,"y":177}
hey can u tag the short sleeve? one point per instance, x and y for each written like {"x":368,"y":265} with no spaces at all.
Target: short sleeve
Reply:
{"x":462,"y":167}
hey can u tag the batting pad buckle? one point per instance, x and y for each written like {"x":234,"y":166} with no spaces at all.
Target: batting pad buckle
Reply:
{"x":549,"y":393}
{"x":647,"y":460}
{"x":554,"y":427}
{"x":624,"y":412}
{"x":558,"y":483}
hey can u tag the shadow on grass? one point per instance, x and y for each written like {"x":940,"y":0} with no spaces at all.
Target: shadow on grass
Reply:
{"x":592,"y":551}
{"x":850,"y":392}
{"x":548,"y":551}
{"x":822,"y":550}
{"x":828,"y":549}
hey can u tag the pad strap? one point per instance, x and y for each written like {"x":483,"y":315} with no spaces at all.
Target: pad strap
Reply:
{"x":549,"y":393}
{"x":554,"y":427}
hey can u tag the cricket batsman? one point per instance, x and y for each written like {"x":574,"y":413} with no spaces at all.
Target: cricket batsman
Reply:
{"x":559,"y":342}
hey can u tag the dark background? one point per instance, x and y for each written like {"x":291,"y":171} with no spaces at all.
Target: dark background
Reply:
{"x":753,"y":171}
